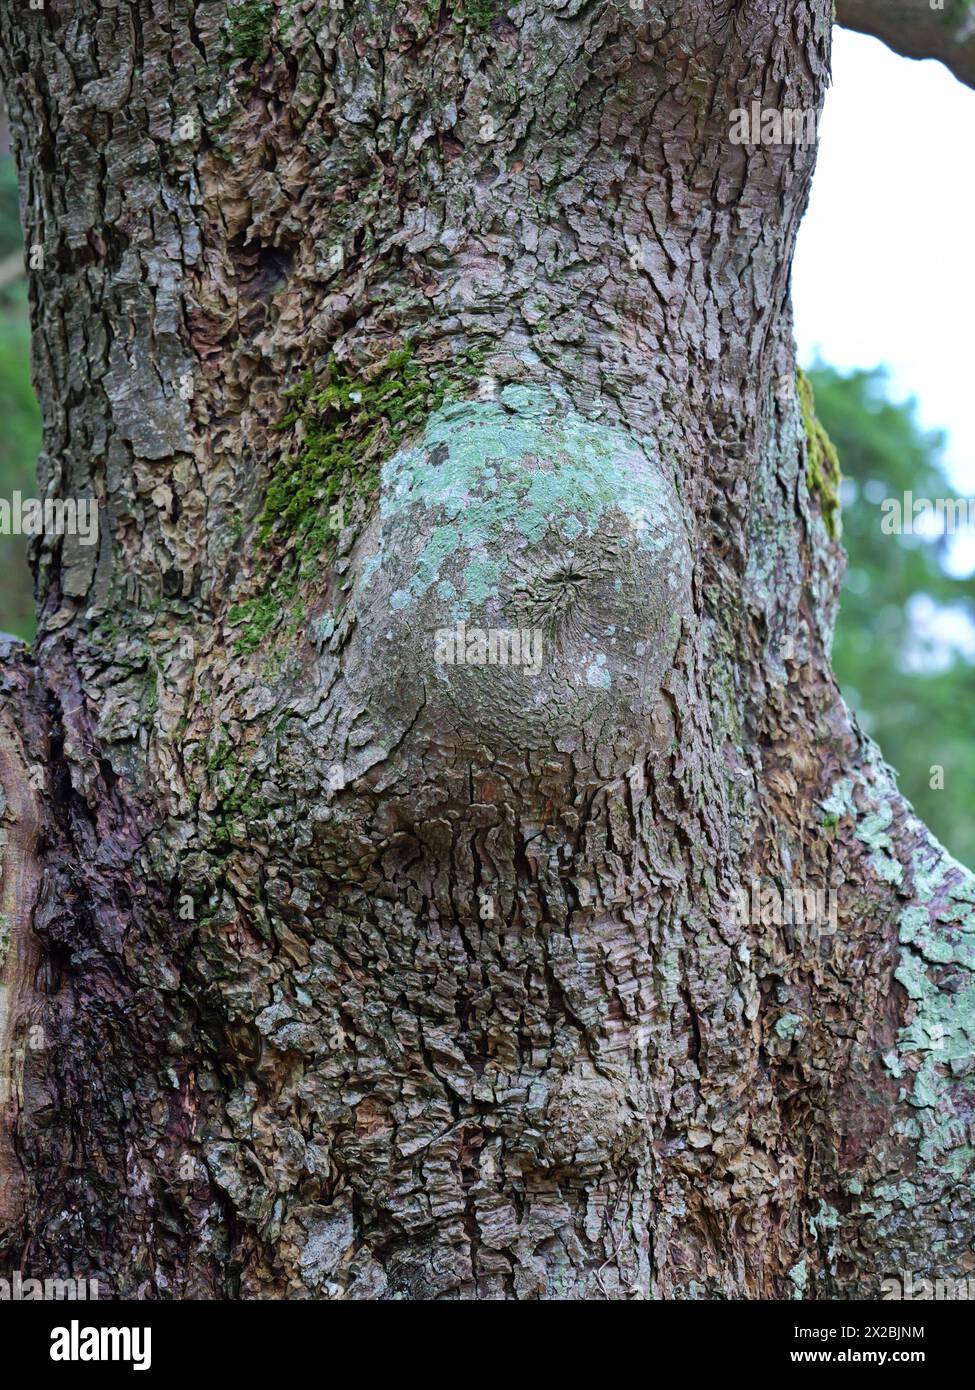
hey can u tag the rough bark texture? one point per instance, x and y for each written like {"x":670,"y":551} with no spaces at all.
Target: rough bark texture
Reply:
{"x":358,"y":975}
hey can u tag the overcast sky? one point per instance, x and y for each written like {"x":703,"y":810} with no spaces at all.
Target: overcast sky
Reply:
{"x":885,"y":266}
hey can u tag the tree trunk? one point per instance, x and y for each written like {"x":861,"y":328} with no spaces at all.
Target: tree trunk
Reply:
{"x":334,"y":969}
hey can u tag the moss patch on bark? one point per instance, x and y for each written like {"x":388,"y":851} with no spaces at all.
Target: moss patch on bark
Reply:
{"x":248,"y":26}
{"x":349,"y":425}
{"x":480,"y":12}
{"x":822,"y":461}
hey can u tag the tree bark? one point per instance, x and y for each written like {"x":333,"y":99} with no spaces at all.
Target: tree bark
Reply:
{"x":353,"y":974}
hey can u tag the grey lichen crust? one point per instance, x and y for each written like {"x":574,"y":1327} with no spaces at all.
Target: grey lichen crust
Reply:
{"x":518,"y":516}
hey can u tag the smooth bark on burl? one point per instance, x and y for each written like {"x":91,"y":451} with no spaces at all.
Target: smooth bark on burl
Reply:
{"x":381,"y":332}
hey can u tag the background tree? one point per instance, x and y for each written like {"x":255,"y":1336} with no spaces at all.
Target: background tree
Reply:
{"x":903,"y":645}
{"x":335,"y":972}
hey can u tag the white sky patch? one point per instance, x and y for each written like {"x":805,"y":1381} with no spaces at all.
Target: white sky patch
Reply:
{"x":885,"y":265}
{"x":939,"y":633}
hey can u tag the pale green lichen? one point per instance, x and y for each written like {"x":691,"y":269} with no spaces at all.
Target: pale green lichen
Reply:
{"x":468,"y":470}
{"x":839,"y":803}
{"x":871,"y":826}
{"x":936,"y":968}
{"x":871,"y":830}
{"x":827,"y":1219}
{"x":939,"y":931}
{"x":597,"y":675}
{"x":799,"y":1274}
{"x":481,"y":579}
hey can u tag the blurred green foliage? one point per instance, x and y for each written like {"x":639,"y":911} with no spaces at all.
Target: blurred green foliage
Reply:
{"x":10,"y":236}
{"x":20,"y":418}
{"x":905,"y":636}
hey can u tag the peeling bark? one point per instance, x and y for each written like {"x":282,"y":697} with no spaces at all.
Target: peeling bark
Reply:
{"x":370,"y":977}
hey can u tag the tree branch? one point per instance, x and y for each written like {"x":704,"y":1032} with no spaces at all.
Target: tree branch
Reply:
{"x":915,"y":30}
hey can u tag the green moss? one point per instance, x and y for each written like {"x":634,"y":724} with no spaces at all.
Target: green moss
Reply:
{"x":350,"y":426}
{"x":822,"y":461}
{"x":108,"y":629}
{"x":151,"y":701}
{"x":234,"y":783}
{"x":257,"y":616}
{"x":248,"y":26}
{"x":480,"y":12}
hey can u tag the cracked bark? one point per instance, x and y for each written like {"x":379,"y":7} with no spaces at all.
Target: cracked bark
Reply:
{"x":352,"y":977}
